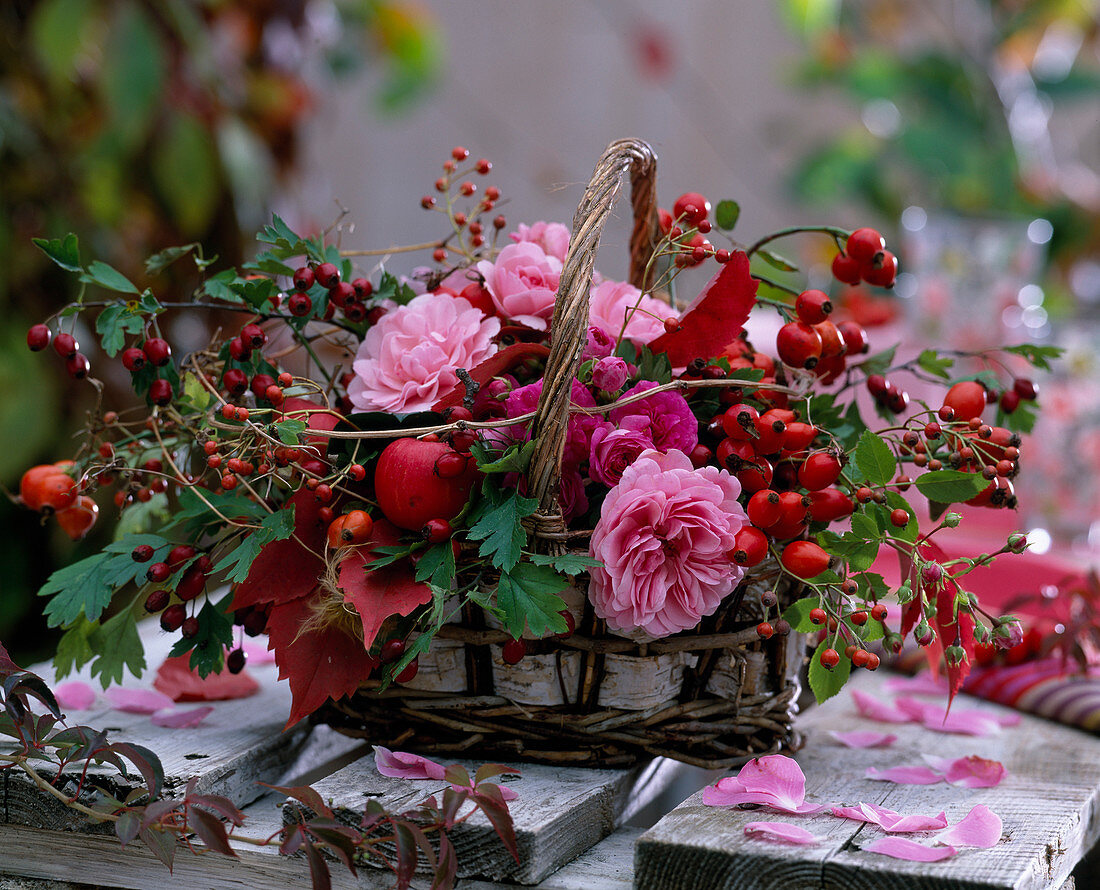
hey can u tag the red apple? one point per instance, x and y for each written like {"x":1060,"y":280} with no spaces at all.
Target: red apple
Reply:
{"x":414,"y":486}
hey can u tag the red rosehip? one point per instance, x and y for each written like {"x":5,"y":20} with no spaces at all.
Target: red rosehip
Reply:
{"x":798,"y":345}
{"x":750,"y":546}
{"x":804,"y":559}
{"x":882,"y":272}
{"x":863,"y":245}
{"x":820,"y":470}
{"x":812,"y":306}
{"x":966,"y":399}
{"x":846,"y":269}
{"x":764,"y":508}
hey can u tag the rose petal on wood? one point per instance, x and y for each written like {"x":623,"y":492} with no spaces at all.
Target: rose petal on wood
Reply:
{"x":402,"y":765}
{"x":873,"y":709}
{"x":865,"y":812}
{"x":905,"y":824}
{"x":981,"y":827}
{"x":975,"y":772}
{"x":864,"y":738}
{"x":779,"y":833}
{"x":905,"y":775}
{"x":75,"y":695}
{"x":920,"y":684}
{"x":181,"y":718}
{"x":179,"y":682}
{"x":903,"y":848}
{"x":137,"y":701}
{"x":776,"y":775}
{"x":974,"y":723}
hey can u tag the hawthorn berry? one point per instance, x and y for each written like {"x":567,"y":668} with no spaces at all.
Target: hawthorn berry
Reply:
{"x":65,"y":345}
{"x":326,"y":275}
{"x":172,"y":618}
{"x":764,"y":630}
{"x":77,"y":366}
{"x":513,"y":651}
{"x":133,"y":359}
{"x":1010,"y":401}
{"x":253,"y":336}
{"x":829,"y":659}
{"x":303,"y":278}
{"x":142,"y":553}
{"x":160,"y":392}
{"x":235,"y":661}
{"x":817,"y":616}
{"x":436,"y":531}
{"x":157,"y":351}
{"x":1025,"y":389}
{"x":190,"y":628}
{"x":691,"y":207}
{"x":157,"y":600}
{"x":409,"y":672}
{"x":878,"y":611}
{"x":38,"y":337}
{"x":391,"y":651}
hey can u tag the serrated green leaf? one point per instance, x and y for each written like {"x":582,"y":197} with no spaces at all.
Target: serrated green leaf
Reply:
{"x":277,"y":526}
{"x":254,"y":291}
{"x":218,"y":287}
{"x":776,"y":261}
{"x":215,"y":635}
{"x":797,"y":615}
{"x":115,"y":322}
{"x":63,"y":251}
{"x":875,"y":459}
{"x":289,"y":430}
{"x":73,"y":649}
{"x":109,"y":277}
{"x":194,"y":515}
{"x":158,"y":262}
{"x":872,"y":586}
{"x":567,"y":563}
{"x":879,"y":363}
{"x":1037,"y":356}
{"x":514,"y":460}
{"x":118,"y":648}
{"x":437,"y":566}
{"x":753,"y":375}
{"x":825,"y":683}
{"x":864,"y":526}
{"x":500,"y":528}
{"x":931,"y":361}
{"x":949,"y":486}
{"x":528,"y":598}
{"x":726,"y":214}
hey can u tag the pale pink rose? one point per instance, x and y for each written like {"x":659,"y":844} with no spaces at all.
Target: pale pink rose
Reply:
{"x":662,"y":540}
{"x":522,"y":282}
{"x":612,"y":450}
{"x":613,"y":301}
{"x":610,"y":373}
{"x":552,"y":237}
{"x":408,"y":359}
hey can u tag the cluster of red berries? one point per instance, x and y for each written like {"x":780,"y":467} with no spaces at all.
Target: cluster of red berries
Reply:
{"x":348,"y":297}
{"x":467,"y":223}
{"x":860,"y":657}
{"x":865,"y":258}
{"x":77,"y":365}
{"x":49,"y":489}
{"x":813,"y":342}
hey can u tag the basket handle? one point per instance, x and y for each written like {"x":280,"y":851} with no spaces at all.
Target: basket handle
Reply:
{"x":569,"y":326}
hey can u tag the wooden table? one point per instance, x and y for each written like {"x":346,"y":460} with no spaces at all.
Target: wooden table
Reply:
{"x":574,"y":826}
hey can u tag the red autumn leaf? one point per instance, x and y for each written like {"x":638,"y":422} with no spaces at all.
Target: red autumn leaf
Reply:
{"x":320,"y":662}
{"x":176,"y":680}
{"x":497,"y":364}
{"x":286,"y":570}
{"x":377,"y":594}
{"x":714,"y":318}
{"x":954,"y":630}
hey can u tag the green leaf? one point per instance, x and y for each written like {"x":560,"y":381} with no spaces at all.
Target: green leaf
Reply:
{"x":63,"y":251}
{"x":879,"y":363}
{"x":277,"y":526}
{"x":58,"y":33}
{"x":106,"y":276}
{"x":864,"y":526}
{"x":218,"y":287}
{"x":194,"y":515}
{"x":1022,"y":420}
{"x":566,"y":563}
{"x":499,"y":525}
{"x":118,"y":647}
{"x":824,"y":683}
{"x":930,"y":361}
{"x":726,"y":214}
{"x":528,"y":597}
{"x":950,"y":486}
{"x":654,"y":366}
{"x":215,"y":635}
{"x":115,"y":322}
{"x":73,"y":649}
{"x":872,"y":586}
{"x":158,"y":262}
{"x":254,"y":291}
{"x":289,"y":430}
{"x":1038,"y":356}
{"x":797,"y":615}
{"x":875,"y":459}
{"x":514,"y":460}
{"x":776,"y":261}
{"x":437,"y":566}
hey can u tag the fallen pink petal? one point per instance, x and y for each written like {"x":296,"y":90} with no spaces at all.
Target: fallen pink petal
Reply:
{"x":920,"y":711}
{"x":774,"y":781}
{"x":864,"y":738}
{"x":974,"y":723}
{"x":178,"y":718}
{"x":75,"y":695}
{"x":904,"y":824}
{"x":401,"y":765}
{"x":905,"y":775}
{"x":873,"y":709}
{"x":890,"y":821}
{"x":864,"y":812}
{"x":981,"y":827}
{"x":903,"y":848}
{"x":137,"y":701}
{"x":780,"y":833}
{"x":975,"y":772}
{"x":920,"y":684}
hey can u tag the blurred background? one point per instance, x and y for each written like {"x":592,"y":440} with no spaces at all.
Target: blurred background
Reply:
{"x":968,"y":131}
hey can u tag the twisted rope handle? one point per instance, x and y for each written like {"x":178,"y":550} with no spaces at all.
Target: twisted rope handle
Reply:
{"x":569,"y":327}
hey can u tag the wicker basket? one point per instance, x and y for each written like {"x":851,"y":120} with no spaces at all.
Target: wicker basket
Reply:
{"x":712,"y":697}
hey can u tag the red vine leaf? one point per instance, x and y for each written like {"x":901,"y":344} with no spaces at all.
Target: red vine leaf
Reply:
{"x":954,"y":629}
{"x":497,"y":364}
{"x":286,"y":570}
{"x":714,"y":318}
{"x":318,"y":869}
{"x":211,"y":829}
{"x":307,"y":795}
{"x":321,"y":662}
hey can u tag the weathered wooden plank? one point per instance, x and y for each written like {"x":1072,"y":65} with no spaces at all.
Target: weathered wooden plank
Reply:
{"x":240,"y":744}
{"x":1049,"y":805}
{"x":559,"y":814}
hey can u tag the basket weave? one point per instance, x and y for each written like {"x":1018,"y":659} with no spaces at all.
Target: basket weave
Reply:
{"x":712,"y":697}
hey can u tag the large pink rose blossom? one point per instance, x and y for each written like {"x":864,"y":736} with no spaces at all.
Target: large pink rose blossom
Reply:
{"x":522,"y":282}
{"x":662,"y":539}
{"x":408,"y":359}
{"x":613,"y":301}
{"x":665,"y":417}
{"x":552,"y":237}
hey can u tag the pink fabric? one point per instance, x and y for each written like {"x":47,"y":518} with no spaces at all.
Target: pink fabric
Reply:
{"x":408,"y":359}
{"x":662,"y":540}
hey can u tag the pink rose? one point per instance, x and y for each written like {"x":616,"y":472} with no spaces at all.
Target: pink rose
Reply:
{"x":598,"y":344}
{"x":408,"y":359}
{"x":662,"y":539}
{"x":611,"y":451}
{"x":610,"y":373}
{"x":522,"y":282}
{"x":613,"y":301}
{"x":665,"y":417}
{"x":552,"y":237}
